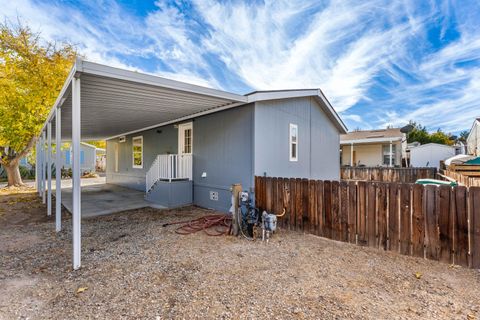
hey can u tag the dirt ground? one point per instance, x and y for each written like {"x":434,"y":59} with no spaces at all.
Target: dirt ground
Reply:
{"x":133,"y":267}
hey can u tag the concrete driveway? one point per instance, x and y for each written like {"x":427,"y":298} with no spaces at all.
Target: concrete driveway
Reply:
{"x":66,"y":183}
{"x":100,"y":198}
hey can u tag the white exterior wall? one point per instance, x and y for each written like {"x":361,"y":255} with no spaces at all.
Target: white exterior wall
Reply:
{"x":473,"y":140}
{"x":370,"y":155}
{"x":430,"y":155}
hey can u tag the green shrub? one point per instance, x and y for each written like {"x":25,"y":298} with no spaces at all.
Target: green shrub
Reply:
{"x":25,"y":173}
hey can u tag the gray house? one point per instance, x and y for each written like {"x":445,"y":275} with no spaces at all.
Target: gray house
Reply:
{"x":291,"y":133}
{"x":180,"y":143}
{"x":88,"y":157}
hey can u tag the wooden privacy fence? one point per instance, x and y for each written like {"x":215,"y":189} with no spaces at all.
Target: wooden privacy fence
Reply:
{"x":438,"y":223}
{"x":465,"y":180}
{"x":409,"y":175}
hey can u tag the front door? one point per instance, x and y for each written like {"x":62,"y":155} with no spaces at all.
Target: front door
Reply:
{"x":185,"y":138}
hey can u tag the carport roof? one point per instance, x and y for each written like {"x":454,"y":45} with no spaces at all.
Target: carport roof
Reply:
{"x":116,"y":102}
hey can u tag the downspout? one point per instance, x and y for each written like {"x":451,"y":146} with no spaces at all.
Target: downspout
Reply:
{"x":351,"y":155}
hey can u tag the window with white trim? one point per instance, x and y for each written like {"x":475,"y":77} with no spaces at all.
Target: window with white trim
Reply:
{"x":293,"y":141}
{"x":137,"y":152}
{"x":187,"y":147}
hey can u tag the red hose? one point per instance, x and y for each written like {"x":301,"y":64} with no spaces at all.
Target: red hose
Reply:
{"x":220,"y":223}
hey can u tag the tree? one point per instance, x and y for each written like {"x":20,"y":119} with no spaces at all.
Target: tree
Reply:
{"x":420,"y":134}
{"x":102,"y":144}
{"x":463,"y":136}
{"x":32,"y":72}
{"x":441,"y":137}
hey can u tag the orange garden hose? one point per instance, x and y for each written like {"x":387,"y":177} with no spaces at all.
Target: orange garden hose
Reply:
{"x":213,"y":225}
{"x":220,"y":223}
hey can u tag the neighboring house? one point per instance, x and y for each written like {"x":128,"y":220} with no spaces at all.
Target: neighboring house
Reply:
{"x":24,"y":163}
{"x":430,"y":154}
{"x":372,"y":148}
{"x":293,"y":133}
{"x":101,"y":159}
{"x":88,"y":157}
{"x":473,"y":139}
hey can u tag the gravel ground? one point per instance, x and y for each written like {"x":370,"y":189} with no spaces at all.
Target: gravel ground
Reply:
{"x":135,"y":268}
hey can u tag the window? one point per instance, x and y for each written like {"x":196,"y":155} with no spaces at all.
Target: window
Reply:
{"x":187,"y":147}
{"x":67,"y":157}
{"x":386,"y":155}
{"x":137,"y":152}
{"x":293,"y":142}
{"x":185,"y":138}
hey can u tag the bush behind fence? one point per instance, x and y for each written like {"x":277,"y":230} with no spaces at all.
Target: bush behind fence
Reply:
{"x":423,"y":221}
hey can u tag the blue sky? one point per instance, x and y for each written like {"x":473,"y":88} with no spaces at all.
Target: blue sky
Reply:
{"x":379,"y":62}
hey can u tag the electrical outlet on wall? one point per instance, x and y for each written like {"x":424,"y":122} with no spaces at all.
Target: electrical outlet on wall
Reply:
{"x":214,"y":195}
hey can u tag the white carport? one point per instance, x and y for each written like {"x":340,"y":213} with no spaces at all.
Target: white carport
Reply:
{"x":100,"y":102}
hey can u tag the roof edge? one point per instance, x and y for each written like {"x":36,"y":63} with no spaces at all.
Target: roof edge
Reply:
{"x":97,"y":69}
{"x":370,"y":140}
{"x":433,"y":143}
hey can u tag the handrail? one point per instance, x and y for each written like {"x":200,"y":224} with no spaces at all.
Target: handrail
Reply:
{"x":169,"y":167}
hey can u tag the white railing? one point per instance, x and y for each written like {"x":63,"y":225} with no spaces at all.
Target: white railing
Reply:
{"x":169,"y":167}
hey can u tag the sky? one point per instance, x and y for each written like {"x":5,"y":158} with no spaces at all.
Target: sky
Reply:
{"x":380,"y":63}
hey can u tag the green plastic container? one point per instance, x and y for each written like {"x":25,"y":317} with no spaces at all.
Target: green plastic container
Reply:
{"x":473,"y":161}
{"x":436,"y":182}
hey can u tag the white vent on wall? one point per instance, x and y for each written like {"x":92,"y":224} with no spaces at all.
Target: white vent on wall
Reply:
{"x":122,"y":139}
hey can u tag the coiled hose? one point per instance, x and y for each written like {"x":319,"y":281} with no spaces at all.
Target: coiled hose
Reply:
{"x":213,"y":225}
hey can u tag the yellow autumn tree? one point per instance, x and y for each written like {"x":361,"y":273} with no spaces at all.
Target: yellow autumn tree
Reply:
{"x":32,"y":72}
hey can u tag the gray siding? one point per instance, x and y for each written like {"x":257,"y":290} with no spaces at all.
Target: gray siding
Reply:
{"x":229,"y":146}
{"x":222,"y":148}
{"x":171,"y":195}
{"x":154,"y":143}
{"x":325,"y":145}
{"x":318,"y":140}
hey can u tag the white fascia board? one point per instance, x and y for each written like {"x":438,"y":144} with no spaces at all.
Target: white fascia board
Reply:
{"x":88,"y":145}
{"x":60,"y":97}
{"x":369,"y":140}
{"x":185,"y":118}
{"x":127,"y":75}
{"x":277,"y":95}
{"x":332,"y":111}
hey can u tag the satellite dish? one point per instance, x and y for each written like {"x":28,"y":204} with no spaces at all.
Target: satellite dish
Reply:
{"x":406,"y":129}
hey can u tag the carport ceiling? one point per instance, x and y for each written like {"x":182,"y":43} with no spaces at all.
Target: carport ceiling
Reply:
{"x":115,"y":101}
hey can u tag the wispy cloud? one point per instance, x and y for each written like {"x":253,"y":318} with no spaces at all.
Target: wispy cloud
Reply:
{"x":379,"y":62}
